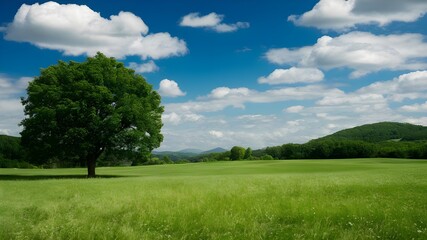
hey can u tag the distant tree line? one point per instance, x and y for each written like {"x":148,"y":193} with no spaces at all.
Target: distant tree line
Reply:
{"x":384,"y":139}
{"x":13,"y":155}
{"x":321,"y":149}
{"x":334,"y":149}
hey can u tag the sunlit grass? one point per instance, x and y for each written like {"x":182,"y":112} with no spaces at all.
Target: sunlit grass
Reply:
{"x":323,"y":199}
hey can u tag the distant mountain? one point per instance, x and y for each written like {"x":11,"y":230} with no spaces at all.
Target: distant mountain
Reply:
{"x":174,"y":155}
{"x":381,"y":132}
{"x":215,"y":150}
{"x":188,"y":153}
{"x":191,"y":150}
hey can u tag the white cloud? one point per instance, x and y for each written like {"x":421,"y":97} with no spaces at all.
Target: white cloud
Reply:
{"x":287,"y":55}
{"x":257,"y":118}
{"x":195,"y":20}
{"x":255,"y":130}
{"x":223,"y":97}
{"x":223,"y":92}
{"x":193,"y":117}
{"x":217,"y":134}
{"x":175,"y":118}
{"x":412,"y":85}
{"x":9,"y":87}
{"x":223,"y":28}
{"x":343,"y":15}
{"x":360,"y":51}
{"x":4,"y":132}
{"x":147,"y":67}
{"x":77,"y":30}
{"x":415,"y":108}
{"x":158,"y":45}
{"x":326,"y":110}
{"x":293,"y":75}
{"x":10,"y":106}
{"x":170,"y":88}
{"x":370,"y":104}
{"x":294,"y":109}
{"x":353,"y":99}
{"x":212,"y":21}
{"x":417,"y":121}
{"x":373,"y":103}
{"x":329,"y":117}
{"x":11,"y":109}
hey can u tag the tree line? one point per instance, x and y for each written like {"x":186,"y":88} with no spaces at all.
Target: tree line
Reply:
{"x":335,"y":149}
{"x":13,"y":155}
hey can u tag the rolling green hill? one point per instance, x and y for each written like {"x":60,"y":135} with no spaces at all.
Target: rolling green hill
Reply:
{"x":380,"y":132}
{"x":384,"y":139}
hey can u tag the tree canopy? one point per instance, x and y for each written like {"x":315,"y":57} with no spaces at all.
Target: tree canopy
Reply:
{"x":237,"y":153}
{"x":77,"y":111}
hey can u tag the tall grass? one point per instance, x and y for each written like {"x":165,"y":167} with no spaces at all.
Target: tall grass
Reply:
{"x":327,"y":199}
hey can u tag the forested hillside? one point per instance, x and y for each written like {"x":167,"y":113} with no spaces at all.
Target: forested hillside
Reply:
{"x":384,"y":139}
{"x":380,"y":132}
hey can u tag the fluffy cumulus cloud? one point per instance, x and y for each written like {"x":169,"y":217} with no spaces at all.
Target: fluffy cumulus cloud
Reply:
{"x":211,"y":21}
{"x":170,"y":88}
{"x":223,"y":97}
{"x":175,"y":118}
{"x":10,"y":87}
{"x":346,"y":14}
{"x":147,"y":67}
{"x":217,"y":134}
{"x":294,"y":109}
{"x":412,"y":85}
{"x":77,"y":29}
{"x":11,"y":110}
{"x":322,"y":110}
{"x":415,"y":108}
{"x":293,"y":75}
{"x":362,"y":52}
{"x":223,"y":92}
{"x":374,"y":102}
{"x":184,"y":121}
{"x":353,"y":99}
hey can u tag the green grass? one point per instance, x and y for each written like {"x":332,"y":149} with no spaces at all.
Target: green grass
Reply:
{"x":304,"y":199}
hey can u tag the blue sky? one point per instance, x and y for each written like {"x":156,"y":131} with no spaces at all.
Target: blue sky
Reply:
{"x":243,"y":72}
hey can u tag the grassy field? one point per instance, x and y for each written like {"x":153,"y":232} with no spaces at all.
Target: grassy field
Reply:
{"x":304,"y":199}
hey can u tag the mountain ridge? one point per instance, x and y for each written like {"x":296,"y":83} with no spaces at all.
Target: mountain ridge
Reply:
{"x":381,"y":132}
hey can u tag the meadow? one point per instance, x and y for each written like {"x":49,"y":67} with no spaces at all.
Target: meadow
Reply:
{"x":292,"y":199}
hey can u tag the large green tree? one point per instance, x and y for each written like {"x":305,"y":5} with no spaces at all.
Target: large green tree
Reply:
{"x":237,"y":153}
{"x":76,"y":111}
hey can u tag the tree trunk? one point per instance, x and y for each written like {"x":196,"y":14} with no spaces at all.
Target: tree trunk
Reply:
{"x":91,"y":163}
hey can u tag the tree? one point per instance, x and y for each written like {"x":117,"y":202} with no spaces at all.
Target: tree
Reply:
{"x":248,"y":153}
{"x":167,"y":160}
{"x":10,"y":148}
{"x":76,"y":111}
{"x":237,"y":153}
